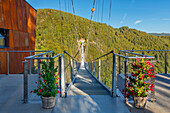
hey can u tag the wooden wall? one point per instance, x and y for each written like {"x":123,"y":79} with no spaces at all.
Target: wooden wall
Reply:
{"x":20,"y":18}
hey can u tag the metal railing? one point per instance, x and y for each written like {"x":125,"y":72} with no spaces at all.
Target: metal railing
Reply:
{"x":129,"y":58}
{"x":30,"y":78}
{"x":18,"y":57}
{"x":68,"y":67}
{"x":71,"y":67}
{"x":117,"y":79}
{"x":161,"y":57}
{"x":102,"y":72}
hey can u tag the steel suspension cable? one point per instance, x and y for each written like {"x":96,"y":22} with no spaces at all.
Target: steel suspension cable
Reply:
{"x":75,"y":23}
{"x":95,"y":29}
{"x":86,"y":50}
{"x":109,"y":24}
{"x":61,"y":17}
{"x":98,"y":25}
{"x":67,"y":22}
{"x":108,"y":34}
{"x":101,"y":25}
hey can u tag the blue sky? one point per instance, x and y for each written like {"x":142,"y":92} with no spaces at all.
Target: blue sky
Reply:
{"x":145,"y":15}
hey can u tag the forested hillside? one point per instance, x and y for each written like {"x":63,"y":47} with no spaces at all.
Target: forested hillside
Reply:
{"x":57,"y":32}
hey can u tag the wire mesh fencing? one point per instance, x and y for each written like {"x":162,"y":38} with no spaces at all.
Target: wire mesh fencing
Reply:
{"x":162,"y":64}
{"x":102,"y":69}
{"x":125,"y":69}
{"x":32,"y":73}
{"x":11,"y":62}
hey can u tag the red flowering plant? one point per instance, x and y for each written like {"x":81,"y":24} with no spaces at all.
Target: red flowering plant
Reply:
{"x":48,"y":80}
{"x":138,"y":84}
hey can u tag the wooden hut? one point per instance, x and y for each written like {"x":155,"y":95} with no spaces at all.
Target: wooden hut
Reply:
{"x":17,"y":32}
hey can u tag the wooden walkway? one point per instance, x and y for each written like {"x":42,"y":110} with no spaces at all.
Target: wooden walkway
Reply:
{"x":86,"y":84}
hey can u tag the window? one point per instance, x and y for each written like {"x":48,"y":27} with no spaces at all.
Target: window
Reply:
{"x":4,"y":37}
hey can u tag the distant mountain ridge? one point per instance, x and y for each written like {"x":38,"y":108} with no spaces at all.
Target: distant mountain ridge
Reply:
{"x":160,"y":34}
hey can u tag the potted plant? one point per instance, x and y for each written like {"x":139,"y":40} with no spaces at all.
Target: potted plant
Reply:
{"x":47,"y":84}
{"x":138,"y":84}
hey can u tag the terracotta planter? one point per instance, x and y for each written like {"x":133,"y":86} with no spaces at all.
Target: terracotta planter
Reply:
{"x":48,"y":102}
{"x":140,"y":102}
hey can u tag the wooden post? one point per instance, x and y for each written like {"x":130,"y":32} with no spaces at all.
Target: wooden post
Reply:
{"x":62,"y":77}
{"x":25,"y":82}
{"x":114,"y":76}
{"x":7,"y":63}
{"x":166,"y":62}
{"x":99,"y":76}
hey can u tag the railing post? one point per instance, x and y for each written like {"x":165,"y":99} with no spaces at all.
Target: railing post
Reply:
{"x":71,"y":69}
{"x":166,"y":62}
{"x":47,"y":59}
{"x":38,"y":65}
{"x":53,"y":54}
{"x":59,"y":70}
{"x":30,"y":64}
{"x":153,"y":82}
{"x":53,"y":59}
{"x":94,"y":68}
{"x":25,"y":82}
{"x":62,"y":77}
{"x":99,"y":70}
{"x":7,"y":63}
{"x":119,"y":64}
{"x":114,"y":76}
{"x":91,"y":65}
{"x":143,"y":53}
{"x":74,"y":67}
{"x":126,"y":75}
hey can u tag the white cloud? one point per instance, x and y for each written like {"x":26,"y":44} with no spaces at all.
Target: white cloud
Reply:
{"x":121,"y":22}
{"x":137,"y":22}
{"x":166,"y":19}
{"x":124,"y":17}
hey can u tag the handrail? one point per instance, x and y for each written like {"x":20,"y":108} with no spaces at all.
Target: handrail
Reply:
{"x":141,"y":57}
{"x":56,"y":56}
{"x":31,"y":57}
{"x":120,"y":55}
{"x":103,"y":55}
{"x":24,"y":51}
{"x":70,"y":55}
{"x":147,"y":50}
{"x":135,"y":53}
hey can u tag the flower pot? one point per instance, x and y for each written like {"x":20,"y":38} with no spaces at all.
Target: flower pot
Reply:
{"x":140,"y":102}
{"x":48,"y":102}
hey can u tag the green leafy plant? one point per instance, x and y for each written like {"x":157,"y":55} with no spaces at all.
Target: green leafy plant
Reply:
{"x":138,"y":84}
{"x":48,"y":80}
